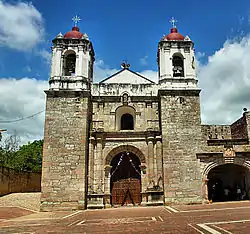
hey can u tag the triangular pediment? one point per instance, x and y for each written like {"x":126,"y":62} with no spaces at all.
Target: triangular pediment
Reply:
{"x":126,"y":76}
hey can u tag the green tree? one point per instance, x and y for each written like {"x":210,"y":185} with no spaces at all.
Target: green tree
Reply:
{"x":25,"y":158}
{"x":29,"y":157}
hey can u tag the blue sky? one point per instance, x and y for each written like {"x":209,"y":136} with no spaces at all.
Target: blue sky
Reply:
{"x":122,"y":30}
{"x":129,"y":30}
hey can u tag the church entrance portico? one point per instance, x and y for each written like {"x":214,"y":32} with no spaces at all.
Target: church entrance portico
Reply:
{"x":125,"y":179}
{"x":228,"y":182}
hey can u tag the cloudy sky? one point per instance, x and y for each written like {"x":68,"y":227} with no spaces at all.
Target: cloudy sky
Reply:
{"x":123,"y":30}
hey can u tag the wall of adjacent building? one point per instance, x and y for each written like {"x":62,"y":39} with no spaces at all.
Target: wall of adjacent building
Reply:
{"x":12,"y":181}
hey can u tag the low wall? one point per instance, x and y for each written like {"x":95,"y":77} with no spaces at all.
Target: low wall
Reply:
{"x":12,"y":181}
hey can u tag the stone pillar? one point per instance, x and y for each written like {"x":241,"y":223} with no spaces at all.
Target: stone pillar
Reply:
{"x":205,"y":190}
{"x":158,"y":157}
{"x":79,"y":62}
{"x":91,"y":165}
{"x":99,"y":167}
{"x":150,"y":161}
{"x":107,"y":192}
{"x":58,"y":62}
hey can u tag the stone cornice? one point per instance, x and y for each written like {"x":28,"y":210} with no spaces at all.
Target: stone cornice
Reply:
{"x":67,"y":93}
{"x":179,"y":92}
{"x":127,"y":135}
{"x":118,"y":98}
{"x":227,"y":142}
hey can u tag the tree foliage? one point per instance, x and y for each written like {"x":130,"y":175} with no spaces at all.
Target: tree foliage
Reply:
{"x":25,"y":158}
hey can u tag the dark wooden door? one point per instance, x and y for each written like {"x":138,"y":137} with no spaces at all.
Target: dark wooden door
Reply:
{"x":125,"y":179}
{"x":126,"y":191}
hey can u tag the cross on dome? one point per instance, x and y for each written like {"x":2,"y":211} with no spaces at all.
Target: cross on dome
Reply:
{"x":76,"y":19}
{"x":173,"y":21}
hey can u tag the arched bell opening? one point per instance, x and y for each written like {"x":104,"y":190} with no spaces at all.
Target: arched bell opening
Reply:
{"x":69,"y":63}
{"x":125,"y":180}
{"x":228,"y":182}
{"x":178,"y":66}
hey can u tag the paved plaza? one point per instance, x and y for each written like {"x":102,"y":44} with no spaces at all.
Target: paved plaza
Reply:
{"x":232,"y":217}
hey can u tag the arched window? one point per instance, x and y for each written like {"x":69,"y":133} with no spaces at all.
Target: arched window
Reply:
{"x":125,"y":118}
{"x":127,"y":122}
{"x":69,"y":64}
{"x":178,"y":66}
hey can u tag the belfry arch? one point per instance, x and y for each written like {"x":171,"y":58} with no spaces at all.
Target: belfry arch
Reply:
{"x":69,"y":63}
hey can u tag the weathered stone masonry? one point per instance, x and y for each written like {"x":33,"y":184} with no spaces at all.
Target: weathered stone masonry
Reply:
{"x":66,"y":150}
{"x":128,"y":138}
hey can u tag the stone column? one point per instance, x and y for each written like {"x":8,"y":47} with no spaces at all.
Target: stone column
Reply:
{"x":58,"y":62}
{"x":107,"y":191}
{"x":91,"y":165}
{"x":158,"y":157}
{"x":205,"y":190}
{"x":95,"y":169}
{"x":150,"y":160}
{"x":79,"y":62}
{"x":99,"y":167}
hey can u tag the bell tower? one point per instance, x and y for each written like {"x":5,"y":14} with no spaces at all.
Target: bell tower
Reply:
{"x":176,"y":62}
{"x":67,"y":118}
{"x":72,"y":60}
{"x":180,"y":118}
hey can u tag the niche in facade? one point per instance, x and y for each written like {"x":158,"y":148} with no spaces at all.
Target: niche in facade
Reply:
{"x":178,"y":66}
{"x":125,"y":118}
{"x":69,"y":64}
{"x":127,"y":122}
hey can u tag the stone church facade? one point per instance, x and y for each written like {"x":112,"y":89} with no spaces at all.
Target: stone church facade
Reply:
{"x":130,"y":141}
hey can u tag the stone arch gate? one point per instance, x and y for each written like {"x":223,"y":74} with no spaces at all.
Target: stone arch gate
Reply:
{"x":110,"y":170}
{"x":213,"y":163}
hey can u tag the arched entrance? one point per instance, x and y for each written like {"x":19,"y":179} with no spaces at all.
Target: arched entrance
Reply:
{"x":228,"y":182}
{"x":125,"y":181}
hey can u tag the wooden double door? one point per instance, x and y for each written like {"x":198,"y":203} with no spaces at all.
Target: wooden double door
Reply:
{"x":125,"y":179}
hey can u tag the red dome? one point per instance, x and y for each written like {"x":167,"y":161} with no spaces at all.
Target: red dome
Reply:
{"x":175,"y":36}
{"x":73,"y":34}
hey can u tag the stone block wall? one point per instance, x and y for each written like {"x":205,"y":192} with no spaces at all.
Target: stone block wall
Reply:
{"x":12,"y":181}
{"x":146,"y":114}
{"x":239,"y":128}
{"x":216,"y":131}
{"x":65,"y":151}
{"x":181,"y":138}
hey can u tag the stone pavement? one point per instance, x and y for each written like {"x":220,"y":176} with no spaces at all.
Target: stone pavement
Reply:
{"x":231,"y":217}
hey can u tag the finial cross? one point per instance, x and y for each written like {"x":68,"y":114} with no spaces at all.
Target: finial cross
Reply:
{"x":173,"y":21}
{"x":76,"y":19}
{"x":125,"y":64}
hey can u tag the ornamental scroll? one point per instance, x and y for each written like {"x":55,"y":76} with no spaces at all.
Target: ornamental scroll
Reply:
{"x":229,"y":152}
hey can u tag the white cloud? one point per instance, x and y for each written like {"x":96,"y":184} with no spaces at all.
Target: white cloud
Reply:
{"x":21,"y":98}
{"x":27,"y":69}
{"x":46,"y":56}
{"x":102,"y":71}
{"x":144,"y":60}
{"x":21,"y":25}
{"x":225,"y":82}
{"x":150,"y":74}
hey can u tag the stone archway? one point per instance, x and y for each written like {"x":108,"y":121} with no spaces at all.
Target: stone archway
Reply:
{"x":126,"y":180}
{"x":125,"y":148}
{"x":226,"y":181}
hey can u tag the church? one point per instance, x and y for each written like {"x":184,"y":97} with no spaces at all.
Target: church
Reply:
{"x":128,"y":141}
